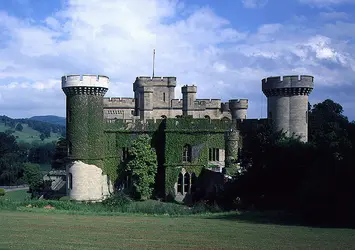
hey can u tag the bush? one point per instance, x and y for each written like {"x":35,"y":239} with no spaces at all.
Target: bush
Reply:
{"x":2,"y":192}
{"x":117,"y":200}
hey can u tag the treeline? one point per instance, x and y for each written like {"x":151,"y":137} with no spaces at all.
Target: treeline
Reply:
{"x":44,"y":128}
{"x":14,"y":157}
{"x":314,"y":180}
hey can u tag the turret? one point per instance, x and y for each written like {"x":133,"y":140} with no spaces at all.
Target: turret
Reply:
{"x":231,"y":138}
{"x":85,"y":135}
{"x":188,"y":99}
{"x":238,"y":109}
{"x":287,"y":103}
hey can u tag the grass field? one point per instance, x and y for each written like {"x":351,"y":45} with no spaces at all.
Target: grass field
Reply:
{"x":26,"y":230}
{"x":29,"y":135}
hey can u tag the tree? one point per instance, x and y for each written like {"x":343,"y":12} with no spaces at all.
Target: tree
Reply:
{"x":11,"y":160}
{"x":33,"y":177}
{"x":60,"y":155}
{"x":142,"y":166}
{"x":19,"y":127}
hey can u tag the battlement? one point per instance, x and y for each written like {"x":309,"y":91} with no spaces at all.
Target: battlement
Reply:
{"x":119,"y":102}
{"x":188,"y":89}
{"x":142,"y":81}
{"x":176,"y":103}
{"x":238,"y":104}
{"x":99,"y":81}
{"x":293,"y":81}
{"x":207,"y":103}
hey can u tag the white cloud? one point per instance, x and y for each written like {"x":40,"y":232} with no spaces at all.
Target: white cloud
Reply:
{"x":252,"y":4}
{"x":116,"y":38}
{"x":334,"y":15}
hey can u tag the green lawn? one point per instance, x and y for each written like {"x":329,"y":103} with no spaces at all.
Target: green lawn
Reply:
{"x":26,"y":230}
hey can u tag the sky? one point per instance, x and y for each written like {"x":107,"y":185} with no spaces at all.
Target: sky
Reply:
{"x":225,"y":47}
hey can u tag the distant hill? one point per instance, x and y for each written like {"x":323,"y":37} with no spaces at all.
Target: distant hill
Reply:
{"x":50,"y":119}
{"x":29,"y":130}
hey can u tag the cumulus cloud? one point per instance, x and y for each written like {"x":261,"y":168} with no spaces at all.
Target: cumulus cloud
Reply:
{"x":117,"y":38}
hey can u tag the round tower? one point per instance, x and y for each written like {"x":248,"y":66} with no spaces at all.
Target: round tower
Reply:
{"x":231,"y":138}
{"x":287,"y":103}
{"x":85,"y":134}
{"x":238,"y":109}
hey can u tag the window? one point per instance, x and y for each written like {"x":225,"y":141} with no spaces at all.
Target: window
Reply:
{"x":180,"y":183}
{"x":207,"y":117}
{"x":186,"y":154}
{"x":214,"y":154}
{"x":163,"y":117}
{"x":164,"y":97}
{"x":124,"y":154}
{"x":70,"y":181}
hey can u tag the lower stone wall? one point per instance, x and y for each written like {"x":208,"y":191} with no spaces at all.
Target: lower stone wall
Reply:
{"x":86,"y":182}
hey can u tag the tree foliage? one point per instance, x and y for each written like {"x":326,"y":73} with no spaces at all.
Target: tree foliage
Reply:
{"x":33,"y":176}
{"x":11,"y":158}
{"x":142,"y":167}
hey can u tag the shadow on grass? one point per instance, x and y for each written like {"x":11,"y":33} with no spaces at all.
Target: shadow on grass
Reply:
{"x":278,"y":218}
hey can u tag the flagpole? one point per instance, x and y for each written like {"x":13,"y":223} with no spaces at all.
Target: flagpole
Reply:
{"x":153,"y":60}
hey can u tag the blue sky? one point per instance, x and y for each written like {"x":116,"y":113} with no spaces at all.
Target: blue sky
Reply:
{"x":224,"y":47}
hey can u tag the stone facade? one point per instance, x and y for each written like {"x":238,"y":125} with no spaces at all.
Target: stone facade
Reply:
{"x":100,"y":130}
{"x":287,"y":103}
{"x":154,"y":98}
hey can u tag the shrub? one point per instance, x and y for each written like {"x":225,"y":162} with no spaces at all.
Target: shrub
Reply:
{"x":117,"y":200}
{"x":2,"y":192}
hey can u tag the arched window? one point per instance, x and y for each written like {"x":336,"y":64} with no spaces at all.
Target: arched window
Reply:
{"x":180,"y":183}
{"x":186,"y":154}
{"x":186,"y":182}
{"x":193,"y":182}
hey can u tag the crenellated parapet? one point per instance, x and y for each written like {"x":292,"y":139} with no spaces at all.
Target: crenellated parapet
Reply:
{"x":85,"y":84}
{"x":288,"y":85}
{"x":176,"y":103}
{"x":115,"y":102}
{"x":188,"y":89}
{"x":146,"y":81}
{"x":238,"y":104}
{"x":238,"y":108}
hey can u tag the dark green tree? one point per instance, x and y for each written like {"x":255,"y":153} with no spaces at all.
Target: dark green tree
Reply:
{"x":60,"y":155}
{"x":11,"y":160}
{"x":33,"y":177}
{"x":142,"y":167}
{"x":19,"y":127}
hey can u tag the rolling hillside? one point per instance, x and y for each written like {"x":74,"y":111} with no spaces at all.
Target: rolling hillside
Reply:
{"x":29,"y":131}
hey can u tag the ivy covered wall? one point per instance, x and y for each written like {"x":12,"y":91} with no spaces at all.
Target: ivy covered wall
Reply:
{"x":168,"y":138}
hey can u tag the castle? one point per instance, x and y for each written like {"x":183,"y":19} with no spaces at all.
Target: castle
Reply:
{"x":189,"y":135}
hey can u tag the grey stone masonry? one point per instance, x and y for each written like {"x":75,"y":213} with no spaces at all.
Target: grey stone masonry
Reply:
{"x":287,"y":103}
